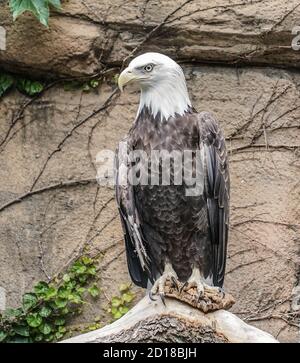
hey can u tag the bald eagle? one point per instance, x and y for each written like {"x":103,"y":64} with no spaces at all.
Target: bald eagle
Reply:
{"x":169,"y":233}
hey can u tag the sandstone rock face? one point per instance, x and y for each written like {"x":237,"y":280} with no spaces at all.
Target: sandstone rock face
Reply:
{"x":54,"y":140}
{"x":86,"y":35}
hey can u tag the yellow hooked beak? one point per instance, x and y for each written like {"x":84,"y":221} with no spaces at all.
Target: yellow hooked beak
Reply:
{"x":125,"y":77}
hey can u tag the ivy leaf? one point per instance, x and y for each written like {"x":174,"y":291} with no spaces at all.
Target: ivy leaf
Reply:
{"x":31,"y":88}
{"x":66,"y":278}
{"x":39,"y":8}
{"x":55,"y":3}
{"x":86,"y":260}
{"x":41,"y":288}
{"x":117,"y":314}
{"x":34,"y":320}
{"x":59,"y":321}
{"x":58,"y":335}
{"x":123,"y":310}
{"x":12,"y":313}
{"x":45,"y":328}
{"x":61,"y":303}
{"x":79,"y":268}
{"x":92,"y":270}
{"x":20,"y":339}
{"x":94,"y":83}
{"x":127,"y":297}
{"x":94,"y":291}
{"x":124,"y":287}
{"x":62,"y":329}
{"x":50,"y":293}
{"x":3,"y":335}
{"x":22,"y":330}
{"x":45,"y":311}
{"x":116,"y":302}
{"x":6,"y":82}
{"x":29,"y":301}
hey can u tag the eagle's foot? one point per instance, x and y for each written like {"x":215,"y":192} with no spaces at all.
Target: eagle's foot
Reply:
{"x":202,"y":288}
{"x":159,"y":286}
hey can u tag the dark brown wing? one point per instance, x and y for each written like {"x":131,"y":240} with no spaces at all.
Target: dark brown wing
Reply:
{"x":138,"y":260}
{"x":217,"y":191}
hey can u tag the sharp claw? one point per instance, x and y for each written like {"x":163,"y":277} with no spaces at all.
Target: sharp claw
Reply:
{"x":151,"y":296}
{"x":162,"y":296}
{"x":182,"y":287}
{"x":174,"y":282}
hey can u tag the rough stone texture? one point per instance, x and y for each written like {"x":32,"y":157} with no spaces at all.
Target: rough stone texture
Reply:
{"x":259,"y":109}
{"x":167,"y":329}
{"x":88,"y":33}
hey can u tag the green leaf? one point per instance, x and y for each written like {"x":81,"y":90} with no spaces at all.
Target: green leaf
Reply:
{"x":20,"y":339}
{"x":63,"y":292}
{"x":123,"y":310}
{"x":62,"y":329}
{"x":58,"y":335}
{"x":29,"y":301}
{"x":45,"y":311}
{"x":86,"y":260}
{"x":31,"y":88}
{"x":12,"y":313}
{"x":80,"y":290}
{"x":45,"y":328}
{"x":41,"y":288}
{"x":59,"y":321}
{"x":34,"y":320}
{"x":61,"y":303}
{"x":39,"y":8}
{"x":94,"y":291}
{"x":94,"y":83}
{"x":85,"y":87}
{"x":116,"y":301}
{"x":82,"y":278}
{"x":75,"y":298}
{"x":50,"y":293}
{"x":92,"y":270}
{"x":127,"y":297}
{"x":49,"y":338}
{"x":66,"y":278}
{"x":3,"y":335}
{"x":79,"y":268}
{"x":22,"y":330}
{"x":117,"y":314}
{"x":124,"y":287}
{"x":55,"y":3}
{"x":6,"y":82}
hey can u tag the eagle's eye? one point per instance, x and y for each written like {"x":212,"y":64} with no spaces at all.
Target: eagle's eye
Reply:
{"x":148,"y":67}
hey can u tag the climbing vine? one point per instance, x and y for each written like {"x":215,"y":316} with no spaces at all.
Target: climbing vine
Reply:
{"x":120,"y":304}
{"x":26,"y":86}
{"x":45,"y":311}
{"x":39,"y":8}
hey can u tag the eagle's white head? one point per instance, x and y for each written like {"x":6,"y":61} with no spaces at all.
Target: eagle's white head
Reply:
{"x":162,"y":84}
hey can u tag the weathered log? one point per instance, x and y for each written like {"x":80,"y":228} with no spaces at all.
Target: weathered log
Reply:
{"x":175,"y":322}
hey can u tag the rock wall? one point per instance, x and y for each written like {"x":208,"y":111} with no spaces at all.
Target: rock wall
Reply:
{"x":239,"y":64}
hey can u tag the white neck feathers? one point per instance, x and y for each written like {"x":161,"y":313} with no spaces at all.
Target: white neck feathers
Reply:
{"x":167,"y":96}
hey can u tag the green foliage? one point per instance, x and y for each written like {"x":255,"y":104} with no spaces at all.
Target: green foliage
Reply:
{"x":40,"y":8}
{"x":30,"y":88}
{"x":45,"y":310}
{"x":6,"y":82}
{"x":119,"y":305}
{"x":26,"y":86}
{"x":85,"y":86}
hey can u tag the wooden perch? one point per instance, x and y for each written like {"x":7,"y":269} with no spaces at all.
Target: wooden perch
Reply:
{"x":175,"y":322}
